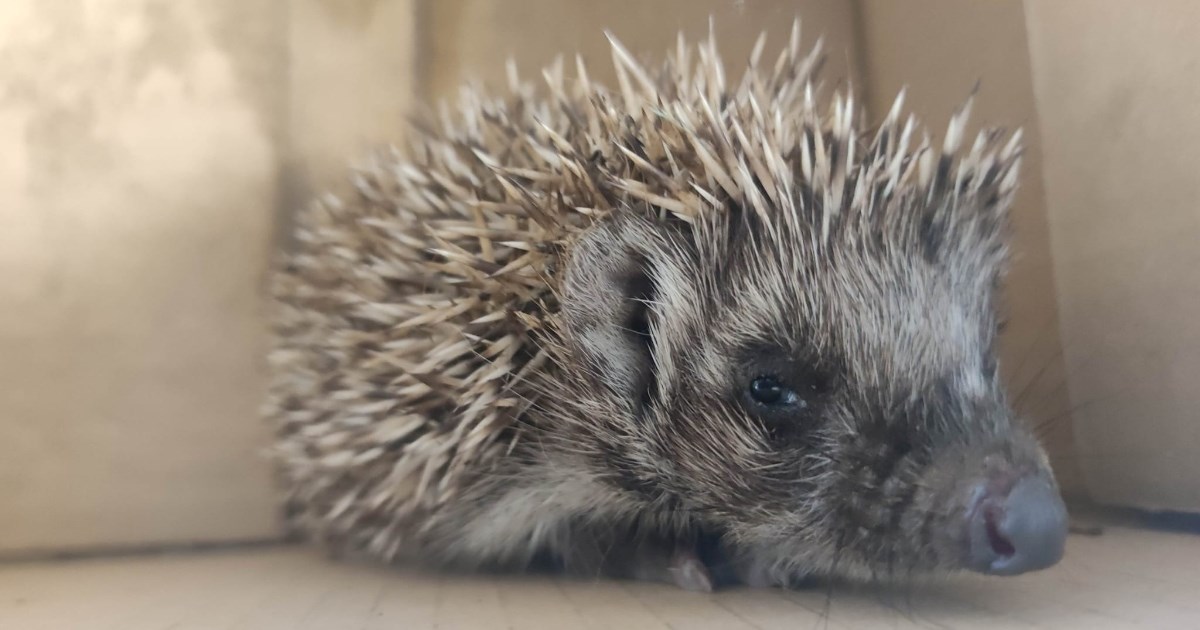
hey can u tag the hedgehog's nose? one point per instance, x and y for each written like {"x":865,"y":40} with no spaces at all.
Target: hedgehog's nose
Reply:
{"x":1023,"y":530}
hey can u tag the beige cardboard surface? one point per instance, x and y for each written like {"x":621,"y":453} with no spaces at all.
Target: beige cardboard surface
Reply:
{"x":350,"y":83}
{"x":472,"y":39}
{"x":1127,"y":578}
{"x":939,"y":49}
{"x":153,"y":149}
{"x":1118,"y":88}
{"x":137,"y":192}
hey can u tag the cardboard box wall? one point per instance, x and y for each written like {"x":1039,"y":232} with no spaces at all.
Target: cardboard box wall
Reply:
{"x":159,"y":148}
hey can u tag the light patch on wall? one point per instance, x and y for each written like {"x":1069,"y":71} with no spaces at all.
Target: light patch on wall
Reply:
{"x":143,"y":188}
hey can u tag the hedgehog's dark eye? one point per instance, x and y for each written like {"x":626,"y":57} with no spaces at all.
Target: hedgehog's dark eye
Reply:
{"x":785,"y":395}
{"x":769,"y":391}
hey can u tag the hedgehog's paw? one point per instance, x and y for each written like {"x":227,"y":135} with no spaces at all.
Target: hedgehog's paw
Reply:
{"x":689,"y":572}
{"x":682,"y":567}
{"x":647,"y":559}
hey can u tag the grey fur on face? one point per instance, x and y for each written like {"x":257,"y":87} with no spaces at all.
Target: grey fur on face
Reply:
{"x":685,"y":328}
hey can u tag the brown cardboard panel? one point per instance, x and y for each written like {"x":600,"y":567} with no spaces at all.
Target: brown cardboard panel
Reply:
{"x":472,"y":39}
{"x":351,"y":83}
{"x":939,"y":49}
{"x":1117,"y":87}
{"x":1127,"y":578}
{"x":137,"y":188}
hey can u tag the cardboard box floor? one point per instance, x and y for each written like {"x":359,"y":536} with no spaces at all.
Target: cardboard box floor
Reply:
{"x":1123,"y":578}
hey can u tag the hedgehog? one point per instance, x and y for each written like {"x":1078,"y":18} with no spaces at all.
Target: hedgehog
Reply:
{"x":690,"y":329}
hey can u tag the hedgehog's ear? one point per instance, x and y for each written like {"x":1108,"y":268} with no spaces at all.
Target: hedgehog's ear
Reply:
{"x":608,"y":291}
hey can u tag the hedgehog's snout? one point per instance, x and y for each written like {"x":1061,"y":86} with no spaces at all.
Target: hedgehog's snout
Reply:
{"x":1014,"y":525}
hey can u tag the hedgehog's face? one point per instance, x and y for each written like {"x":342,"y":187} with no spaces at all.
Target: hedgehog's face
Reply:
{"x":837,"y":412}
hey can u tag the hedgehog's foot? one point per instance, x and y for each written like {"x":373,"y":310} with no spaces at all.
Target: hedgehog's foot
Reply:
{"x":645,"y":559}
{"x":681,"y":566}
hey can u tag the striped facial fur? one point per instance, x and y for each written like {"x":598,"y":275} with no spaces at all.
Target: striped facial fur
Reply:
{"x":816,"y":407}
{"x":683,"y":328}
